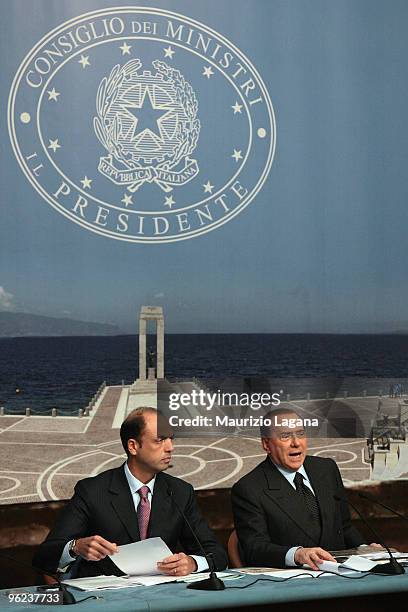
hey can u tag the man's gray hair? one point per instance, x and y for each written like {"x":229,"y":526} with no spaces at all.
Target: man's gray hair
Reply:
{"x":267,"y":430}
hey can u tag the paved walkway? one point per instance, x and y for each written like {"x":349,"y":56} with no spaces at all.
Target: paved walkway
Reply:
{"x":42,"y":458}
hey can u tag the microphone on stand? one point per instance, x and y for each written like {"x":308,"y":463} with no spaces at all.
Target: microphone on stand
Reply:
{"x":67,"y":597}
{"x":391,"y":568}
{"x":212,"y":583}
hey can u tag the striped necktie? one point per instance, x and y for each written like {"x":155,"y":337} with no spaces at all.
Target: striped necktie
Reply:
{"x":310,"y":502}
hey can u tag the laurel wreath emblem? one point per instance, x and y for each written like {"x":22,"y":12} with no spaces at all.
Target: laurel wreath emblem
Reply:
{"x":109,"y":130}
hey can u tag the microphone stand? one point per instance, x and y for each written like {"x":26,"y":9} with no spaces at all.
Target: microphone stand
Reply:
{"x":374,"y":501}
{"x":67,"y":597}
{"x":212,"y":583}
{"x":393,"y":567}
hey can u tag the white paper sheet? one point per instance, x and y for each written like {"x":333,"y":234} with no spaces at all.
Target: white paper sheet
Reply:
{"x":295,"y":573}
{"x":355,"y":563}
{"x":204,"y":575}
{"x":336,"y":568}
{"x":360,"y":564}
{"x":140,"y":558}
{"x":96,"y":583}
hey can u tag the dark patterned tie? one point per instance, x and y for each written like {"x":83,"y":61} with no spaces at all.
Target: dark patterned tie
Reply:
{"x":310,"y":502}
{"x":143,"y":512}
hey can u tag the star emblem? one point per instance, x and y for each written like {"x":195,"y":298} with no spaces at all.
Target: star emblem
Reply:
{"x":169,"y":201}
{"x":86,"y":182}
{"x":208,"y":71}
{"x":237,"y":108}
{"x":53,"y":95}
{"x":125,"y":48}
{"x":237,"y":155}
{"x":146,"y":116}
{"x":84,"y":61}
{"x":127,"y":200}
{"x":54,"y":145}
{"x":169,"y":52}
{"x":208,"y":188}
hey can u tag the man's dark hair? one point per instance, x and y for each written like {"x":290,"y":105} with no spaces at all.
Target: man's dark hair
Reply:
{"x":266,"y":430}
{"x":133,"y":426}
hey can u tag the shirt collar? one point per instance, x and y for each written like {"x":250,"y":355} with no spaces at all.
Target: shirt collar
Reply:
{"x":135,"y":484}
{"x":289,"y":474}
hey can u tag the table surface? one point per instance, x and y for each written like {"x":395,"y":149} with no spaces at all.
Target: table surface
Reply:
{"x":175,"y":597}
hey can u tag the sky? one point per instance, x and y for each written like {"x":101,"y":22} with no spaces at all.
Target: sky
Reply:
{"x":323,"y":245}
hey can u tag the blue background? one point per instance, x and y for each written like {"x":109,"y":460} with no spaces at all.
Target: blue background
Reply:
{"x":322,"y":248}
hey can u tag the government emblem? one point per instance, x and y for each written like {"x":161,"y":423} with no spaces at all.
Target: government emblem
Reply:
{"x":141,"y":125}
{"x":147,"y":155}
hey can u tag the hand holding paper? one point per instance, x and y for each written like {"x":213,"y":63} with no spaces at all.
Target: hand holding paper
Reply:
{"x":179,"y":564}
{"x":94,"y":548}
{"x":141,"y":558}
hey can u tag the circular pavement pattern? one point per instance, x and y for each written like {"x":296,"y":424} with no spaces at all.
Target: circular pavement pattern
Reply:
{"x":204,"y":462}
{"x":187,"y":463}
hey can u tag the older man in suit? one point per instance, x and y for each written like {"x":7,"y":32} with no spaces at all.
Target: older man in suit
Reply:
{"x":128,"y":504}
{"x":291,"y":509}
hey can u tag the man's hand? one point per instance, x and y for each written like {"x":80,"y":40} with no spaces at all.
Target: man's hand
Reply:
{"x":94,"y":548}
{"x":375,"y":545}
{"x":179,"y":564}
{"x":312,"y":557}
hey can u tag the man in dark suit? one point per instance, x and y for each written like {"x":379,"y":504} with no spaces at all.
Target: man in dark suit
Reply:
{"x":130,"y":503}
{"x":291,"y":509}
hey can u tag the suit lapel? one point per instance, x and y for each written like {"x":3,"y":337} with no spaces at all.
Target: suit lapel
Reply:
{"x":284,"y":496}
{"x":160,"y":510}
{"x":122,"y":502}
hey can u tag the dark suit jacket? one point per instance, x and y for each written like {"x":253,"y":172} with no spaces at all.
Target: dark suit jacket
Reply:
{"x":103,"y":505}
{"x":270,"y":520}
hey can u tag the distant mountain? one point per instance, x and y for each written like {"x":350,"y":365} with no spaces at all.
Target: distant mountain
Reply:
{"x":18,"y":324}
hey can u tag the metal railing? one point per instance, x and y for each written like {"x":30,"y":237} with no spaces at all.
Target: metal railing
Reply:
{"x":28,"y":411}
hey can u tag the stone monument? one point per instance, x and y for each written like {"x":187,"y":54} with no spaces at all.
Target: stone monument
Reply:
{"x":151,"y":313}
